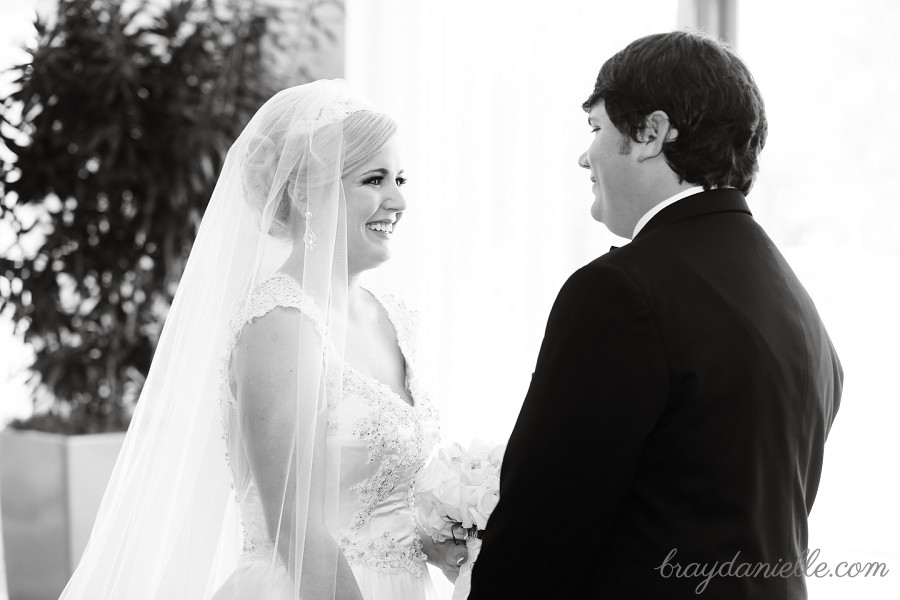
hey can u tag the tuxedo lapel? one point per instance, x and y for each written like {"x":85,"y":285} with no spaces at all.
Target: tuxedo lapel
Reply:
{"x":704,"y":203}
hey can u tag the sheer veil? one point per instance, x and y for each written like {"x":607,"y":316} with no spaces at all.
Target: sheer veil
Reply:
{"x":169,"y":526}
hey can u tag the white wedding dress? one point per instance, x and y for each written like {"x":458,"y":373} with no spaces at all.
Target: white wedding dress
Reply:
{"x":384,"y":442}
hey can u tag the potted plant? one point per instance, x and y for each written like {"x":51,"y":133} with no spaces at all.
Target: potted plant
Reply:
{"x":113,"y":141}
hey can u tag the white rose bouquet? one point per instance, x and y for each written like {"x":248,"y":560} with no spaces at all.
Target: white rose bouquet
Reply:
{"x":455,"y":496}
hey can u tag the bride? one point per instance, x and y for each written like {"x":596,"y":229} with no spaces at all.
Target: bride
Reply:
{"x":277,"y":440}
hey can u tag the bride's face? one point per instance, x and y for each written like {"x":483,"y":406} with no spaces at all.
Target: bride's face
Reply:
{"x":375,"y":205}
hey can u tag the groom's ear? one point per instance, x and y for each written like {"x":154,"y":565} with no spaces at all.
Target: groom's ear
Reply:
{"x":656,"y":132}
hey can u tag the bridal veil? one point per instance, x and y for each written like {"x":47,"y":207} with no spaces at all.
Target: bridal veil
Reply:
{"x":168,"y":526}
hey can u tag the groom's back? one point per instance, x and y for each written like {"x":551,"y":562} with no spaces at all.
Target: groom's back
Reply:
{"x":731,"y":468}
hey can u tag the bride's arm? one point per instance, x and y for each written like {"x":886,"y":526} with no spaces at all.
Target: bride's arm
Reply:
{"x":266,"y":372}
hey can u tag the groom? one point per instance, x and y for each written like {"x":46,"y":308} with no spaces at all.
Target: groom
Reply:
{"x":676,"y":419}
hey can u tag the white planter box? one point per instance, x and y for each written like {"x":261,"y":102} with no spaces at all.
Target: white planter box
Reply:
{"x":50,"y":490}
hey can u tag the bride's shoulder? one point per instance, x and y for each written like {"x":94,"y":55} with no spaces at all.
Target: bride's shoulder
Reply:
{"x":278,"y":300}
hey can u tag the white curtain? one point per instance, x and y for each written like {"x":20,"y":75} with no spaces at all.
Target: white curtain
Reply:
{"x":488,"y":96}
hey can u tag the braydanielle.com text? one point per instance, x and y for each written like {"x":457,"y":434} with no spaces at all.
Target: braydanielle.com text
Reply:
{"x":805,"y":565}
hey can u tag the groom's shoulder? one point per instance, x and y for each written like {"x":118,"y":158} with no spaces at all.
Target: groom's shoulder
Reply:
{"x":601,"y":267}
{"x":618,"y":262}
{"x":599,"y":275}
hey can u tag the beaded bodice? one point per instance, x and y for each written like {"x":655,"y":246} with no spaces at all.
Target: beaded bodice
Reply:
{"x":382,"y":440}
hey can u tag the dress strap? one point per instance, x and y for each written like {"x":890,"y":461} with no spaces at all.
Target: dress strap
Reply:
{"x":404,"y":319}
{"x":280,"y":290}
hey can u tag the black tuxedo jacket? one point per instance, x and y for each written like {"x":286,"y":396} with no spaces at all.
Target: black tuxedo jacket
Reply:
{"x":679,"y":408}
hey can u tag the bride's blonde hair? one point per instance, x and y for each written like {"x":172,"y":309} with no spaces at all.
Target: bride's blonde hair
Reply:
{"x":277,"y":163}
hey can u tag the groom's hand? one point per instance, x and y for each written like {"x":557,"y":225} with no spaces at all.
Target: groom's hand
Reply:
{"x":446,"y":556}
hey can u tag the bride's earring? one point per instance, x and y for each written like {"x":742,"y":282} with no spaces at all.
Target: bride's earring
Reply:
{"x":309,"y":236}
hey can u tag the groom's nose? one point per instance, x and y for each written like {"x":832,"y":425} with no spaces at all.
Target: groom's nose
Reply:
{"x":583,"y":162}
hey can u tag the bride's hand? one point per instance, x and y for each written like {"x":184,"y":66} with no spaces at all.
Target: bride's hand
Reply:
{"x":446,"y":556}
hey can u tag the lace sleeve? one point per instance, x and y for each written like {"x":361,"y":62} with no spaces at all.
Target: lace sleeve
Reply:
{"x":280,"y":290}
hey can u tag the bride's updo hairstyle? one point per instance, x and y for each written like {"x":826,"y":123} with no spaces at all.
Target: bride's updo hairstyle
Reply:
{"x":286,"y":162}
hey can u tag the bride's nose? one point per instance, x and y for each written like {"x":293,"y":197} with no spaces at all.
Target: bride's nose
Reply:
{"x":395,"y":200}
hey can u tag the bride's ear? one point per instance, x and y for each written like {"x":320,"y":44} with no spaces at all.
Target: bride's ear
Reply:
{"x":656,"y":132}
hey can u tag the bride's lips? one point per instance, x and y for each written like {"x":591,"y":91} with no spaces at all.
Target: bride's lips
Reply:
{"x":383,"y":229}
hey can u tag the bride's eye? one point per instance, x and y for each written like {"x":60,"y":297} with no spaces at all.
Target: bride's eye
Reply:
{"x":373,"y":181}
{"x":401,"y":181}
{"x":595,"y":129}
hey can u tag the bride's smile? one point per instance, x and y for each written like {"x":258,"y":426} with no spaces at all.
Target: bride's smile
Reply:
{"x":386,"y":228}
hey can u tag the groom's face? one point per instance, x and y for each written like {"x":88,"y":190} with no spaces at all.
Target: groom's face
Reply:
{"x":612,"y":172}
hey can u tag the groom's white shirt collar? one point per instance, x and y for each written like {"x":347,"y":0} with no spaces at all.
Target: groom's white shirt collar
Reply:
{"x":667,"y":202}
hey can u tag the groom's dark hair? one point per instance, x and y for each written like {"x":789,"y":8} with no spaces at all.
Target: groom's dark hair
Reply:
{"x":708,"y":94}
